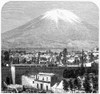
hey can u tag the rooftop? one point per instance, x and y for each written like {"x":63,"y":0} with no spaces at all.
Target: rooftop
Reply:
{"x":47,"y":74}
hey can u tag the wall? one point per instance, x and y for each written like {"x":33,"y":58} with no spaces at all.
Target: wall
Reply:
{"x":28,"y":81}
{"x":6,"y":72}
{"x":20,"y":70}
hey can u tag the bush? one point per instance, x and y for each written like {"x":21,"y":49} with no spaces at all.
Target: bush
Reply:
{"x":65,"y":85}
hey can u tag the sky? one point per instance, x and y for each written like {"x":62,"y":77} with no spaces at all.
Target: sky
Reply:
{"x":17,"y":13}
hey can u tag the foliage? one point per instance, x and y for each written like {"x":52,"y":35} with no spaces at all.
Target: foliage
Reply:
{"x":86,"y":84}
{"x":64,"y":55}
{"x":6,"y":56}
{"x":91,"y":57}
{"x":95,"y":83}
{"x":71,"y":84}
{"x":65,"y":85}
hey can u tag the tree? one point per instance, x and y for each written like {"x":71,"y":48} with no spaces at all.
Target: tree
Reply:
{"x":65,"y":73}
{"x":79,"y":81}
{"x":58,"y":58}
{"x":6,"y":56}
{"x":83,"y":57}
{"x":39,"y":53}
{"x":69,"y":73}
{"x":91,"y":57}
{"x":64,"y":52}
{"x":82,"y":60}
{"x":76,"y":82}
{"x":86,"y":85}
{"x":71,"y":84}
{"x":95,"y":83}
{"x":65,"y":85}
{"x":97,"y":48}
{"x":64,"y":55}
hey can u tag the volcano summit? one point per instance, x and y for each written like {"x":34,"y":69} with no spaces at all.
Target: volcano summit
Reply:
{"x":56,"y":28}
{"x":59,"y":14}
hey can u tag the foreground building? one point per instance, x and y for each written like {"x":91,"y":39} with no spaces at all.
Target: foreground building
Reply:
{"x":45,"y":81}
{"x":28,"y":80}
{"x":41,"y":81}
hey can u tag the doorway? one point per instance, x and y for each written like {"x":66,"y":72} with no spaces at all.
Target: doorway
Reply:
{"x":41,"y":86}
{"x":47,"y":88}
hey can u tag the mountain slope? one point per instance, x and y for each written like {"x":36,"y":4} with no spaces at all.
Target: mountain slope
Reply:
{"x":56,"y":28}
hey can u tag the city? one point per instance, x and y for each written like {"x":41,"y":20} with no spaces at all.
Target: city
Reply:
{"x":78,"y":68}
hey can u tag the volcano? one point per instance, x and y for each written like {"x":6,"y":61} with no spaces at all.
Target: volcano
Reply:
{"x":57,"y":28}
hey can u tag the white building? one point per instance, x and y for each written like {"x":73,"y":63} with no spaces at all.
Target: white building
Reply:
{"x":41,"y":81}
{"x":45,"y":81}
{"x":44,"y":58}
{"x":29,"y":80}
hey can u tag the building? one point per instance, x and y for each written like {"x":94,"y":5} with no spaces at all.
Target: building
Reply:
{"x":41,"y":81}
{"x":44,"y":58}
{"x":45,"y":81}
{"x":29,"y":79}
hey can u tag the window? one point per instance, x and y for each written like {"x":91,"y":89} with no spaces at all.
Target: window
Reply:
{"x":47,"y":78}
{"x":47,"y":88}
{"x":41,"y":86}
{"x":37,"y":77}
{"x":37,"y":85}
{"x":43,"y":78}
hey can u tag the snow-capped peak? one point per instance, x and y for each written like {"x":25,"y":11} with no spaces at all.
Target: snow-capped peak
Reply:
{"x":61,"y":14}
